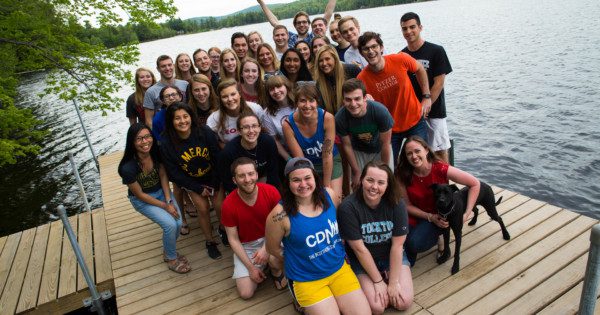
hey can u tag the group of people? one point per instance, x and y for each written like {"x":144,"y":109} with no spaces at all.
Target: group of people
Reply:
{"x":316,"y":157}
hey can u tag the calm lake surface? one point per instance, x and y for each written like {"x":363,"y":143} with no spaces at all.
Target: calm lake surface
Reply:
{"x":521,"y":104}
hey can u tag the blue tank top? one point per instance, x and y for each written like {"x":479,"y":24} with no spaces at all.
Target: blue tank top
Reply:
{"x":313,"y":250}
{"x":311,"y":147}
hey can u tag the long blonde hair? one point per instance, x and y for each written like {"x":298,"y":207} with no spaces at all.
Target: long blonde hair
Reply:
{"x":139,"y":90}
{"x":250,"y":52}
{"x":222,"y":71}
{"x":178,"y":73}
{"x":273,"y":54}
{"x":331,"y":93}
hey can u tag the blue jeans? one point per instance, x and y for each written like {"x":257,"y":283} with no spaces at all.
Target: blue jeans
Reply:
{"x":421,"y":237}
{"x":165,"y":220}
{"x":420,"y":129}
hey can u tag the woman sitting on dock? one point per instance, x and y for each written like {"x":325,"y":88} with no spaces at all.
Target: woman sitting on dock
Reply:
{"x":149,"y":192}
{"x":417,"y":170}
{"x":376,"y":255}
{"x":189,"y":152}
{"x":305,"y":222}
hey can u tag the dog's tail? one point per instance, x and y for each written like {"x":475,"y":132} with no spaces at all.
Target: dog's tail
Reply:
{"x":499,"y":201}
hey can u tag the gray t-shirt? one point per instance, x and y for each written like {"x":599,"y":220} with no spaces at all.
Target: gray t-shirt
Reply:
{"x":152,"y":96}
{"x":364,"y":131}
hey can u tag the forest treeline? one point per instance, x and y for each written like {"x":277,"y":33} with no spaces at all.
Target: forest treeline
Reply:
{"x":113,"y":36}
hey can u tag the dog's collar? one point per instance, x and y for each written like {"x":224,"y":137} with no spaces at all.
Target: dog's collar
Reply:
{"x":445,"y":215}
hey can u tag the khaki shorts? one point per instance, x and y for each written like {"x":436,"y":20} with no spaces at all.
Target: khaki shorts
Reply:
{"x":239,"y":269}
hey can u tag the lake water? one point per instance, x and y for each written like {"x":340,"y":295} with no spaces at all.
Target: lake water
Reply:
{"x":521,"y":104}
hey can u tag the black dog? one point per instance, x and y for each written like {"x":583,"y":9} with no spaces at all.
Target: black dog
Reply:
{"x":451,"y":205}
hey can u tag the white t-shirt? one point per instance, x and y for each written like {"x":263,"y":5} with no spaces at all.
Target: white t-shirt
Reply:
{"x":273,"y":123}
{"x":230,"y":127}
{"x":352,"y":55}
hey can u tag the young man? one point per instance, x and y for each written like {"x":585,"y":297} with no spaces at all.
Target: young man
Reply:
{"x":244,"y":214}
{"x":152,"y":103}
{"x":319,"y":26}
{"x":350,"y":30}
{"x":336,"y":36}
{"x":365,"y":127}
{"x":214,"y":53}
{"x":280,"y":38}
{"x":435,"y":61}
{"x":301,"y":22}
{"x":239,"y":44}
{"x":386,"y":79}
{"x":202,"y":62}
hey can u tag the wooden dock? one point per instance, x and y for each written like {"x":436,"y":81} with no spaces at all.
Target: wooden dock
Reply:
{"x":540,"y":270}
{"x":39,"y":271}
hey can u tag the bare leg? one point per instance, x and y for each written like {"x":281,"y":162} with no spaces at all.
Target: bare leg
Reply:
{"x":368,"y":288}
{"x":326,"y":307}
{"x":178,"y":193}
{"x":201,"y":204}
{"x":406,"y":289}
{"x":353,"y":302}
{"x":245,"y":287}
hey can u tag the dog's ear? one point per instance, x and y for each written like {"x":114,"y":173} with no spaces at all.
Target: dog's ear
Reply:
{"x":434,"y":187}
{"x":454,"y":187}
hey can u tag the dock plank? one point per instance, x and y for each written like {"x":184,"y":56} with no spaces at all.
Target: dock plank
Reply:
{"x":68,"y":264}
{"x":101,"y":249}
{"x":14,"y":282}
{"x":50,"y":275}
{"x":31,"y":284}
{"x":7,"y":257}
{"x":84,"y":238}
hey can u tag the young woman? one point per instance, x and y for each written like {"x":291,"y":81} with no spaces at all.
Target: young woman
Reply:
{"x":417,"y":170}
{"x":310,"y":132}
{"x":376,"y":255}
{"x":319,"y":278}
{"x":148,"y":190}
{"x":254,"y":40}
{"x":231,"y":105}
{"x":253,"y":144}
{"x":268,"y":60}
{"x":330,"y":75}
{"x":168,"y":96}
{"x":144,"y":78}
{"x":204,"y":100}
{"x":229,"y":65}
{"x":304,"y":49}
{"x":280,"y":104}
{"x":294,"y":67}
{"x":317,"y":42}
{"x":183,"y":67}
{"x":190,"y":154}
{"x":251,"y":84}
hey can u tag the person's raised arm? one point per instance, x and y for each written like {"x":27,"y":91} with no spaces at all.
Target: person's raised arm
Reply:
{"x":329,"y":11}
{"x":268,"y":13}
{"x":464,"y":178}
{"x":276,"y":228}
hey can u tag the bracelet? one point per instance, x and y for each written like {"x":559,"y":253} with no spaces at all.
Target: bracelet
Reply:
{"x":428,"y":217}
{"x":378,"y":281}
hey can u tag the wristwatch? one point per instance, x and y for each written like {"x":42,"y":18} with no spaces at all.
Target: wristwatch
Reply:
{"x":427,"y":95}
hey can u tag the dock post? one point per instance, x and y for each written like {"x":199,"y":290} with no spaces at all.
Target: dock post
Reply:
{"x":79,"y":182}
{"x":87,"y":137}
{"x":592,"y":275}
{"x":97,"y":304}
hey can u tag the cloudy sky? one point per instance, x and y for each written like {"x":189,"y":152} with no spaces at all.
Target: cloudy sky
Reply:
{"x":193,"y":8}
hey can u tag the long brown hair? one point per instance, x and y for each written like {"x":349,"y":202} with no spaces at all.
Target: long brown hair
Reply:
{"x":331,"y":93}
{"x":222,"y":71}
{"x":288,"y":199}
{"x":139,"y":90}
{"x":213,"y":100}
{"x":277,"y":81}
{"x":272,"y":51}
{"x":392,"y":193}
{"x":259,"y":85}
{"x":244,"y":108}
{"x":404,"y":170}
{"x":178,"y":73}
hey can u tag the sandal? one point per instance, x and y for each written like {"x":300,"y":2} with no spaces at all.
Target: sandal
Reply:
{"x":184,"y":230}
{"x":192,"y":213}
{"x":278,"y":281}
{"x":179,"y":266}
{"x":179,"y":258}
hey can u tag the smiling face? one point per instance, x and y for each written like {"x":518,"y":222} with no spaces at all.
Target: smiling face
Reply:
{"x":373,"y":53}
{"x":307,"y":106}
{"x":291,"y":62}
{"x":326,"y":62}
{"x":166,"y":69}
{"x":145,"y":79}
{"x":182,"y":123}
{"x":253,"y":41}
{"x":240,"y":46}
{"x":214,"y":58}
{"x":278,"y":93}
{"x":184,"y":63}
{"x":229,"y":64}
{"x":245,"y":177}
{"x":334,"y":31}
{"x":265,"y":57}
{"x":200,"y":91}
{"x":202,"y":61}
{"x":250,"y":73}
{"x":170,"y":96}
{"x":319,"y":27}
{"x":302,"y":182}
{"x":411,"y":31}
{"x":230,"y":98}
{"x":301,"y":24}
{"x":280,"y":37}
{"x":143,"y":141}
{"x":416,"y":154}
{"x":304,"y":50}
{"x":249,"y":130}
{"x":350,"y":32}
{"x":374,"y":185}
{"x":355,"y":103}
{"x":316,"y":44}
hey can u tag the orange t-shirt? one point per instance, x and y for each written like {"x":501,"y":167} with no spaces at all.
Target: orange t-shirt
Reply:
{"x":391,"y":87}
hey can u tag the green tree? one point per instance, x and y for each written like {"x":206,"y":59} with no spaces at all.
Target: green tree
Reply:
{"x":42,"y":34}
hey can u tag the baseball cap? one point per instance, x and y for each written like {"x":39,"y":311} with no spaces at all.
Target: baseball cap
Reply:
{"x":297,"y":163}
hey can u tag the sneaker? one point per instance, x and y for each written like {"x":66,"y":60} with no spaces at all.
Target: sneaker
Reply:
{"x":223,"y":235}
{"x":213,"y":251}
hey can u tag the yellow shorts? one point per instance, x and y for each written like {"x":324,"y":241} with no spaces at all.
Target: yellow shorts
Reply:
{"x":312,"y":292}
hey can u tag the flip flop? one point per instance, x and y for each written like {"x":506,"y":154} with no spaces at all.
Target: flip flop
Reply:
{"x":184,"y":230}
{"x":278,"y":281}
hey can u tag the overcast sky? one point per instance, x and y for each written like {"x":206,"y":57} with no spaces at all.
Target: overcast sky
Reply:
{"x":193,"y":8}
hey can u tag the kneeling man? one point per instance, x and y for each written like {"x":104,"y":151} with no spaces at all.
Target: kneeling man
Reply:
{"x":244,"y":214}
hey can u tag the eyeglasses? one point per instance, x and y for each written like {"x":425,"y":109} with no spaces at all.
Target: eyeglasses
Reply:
{"x":171,"y":95}
{"x":302,"y":22}
{"x":248,"y":127}
{"x":373,"y":47}
{"x":146,"y":137}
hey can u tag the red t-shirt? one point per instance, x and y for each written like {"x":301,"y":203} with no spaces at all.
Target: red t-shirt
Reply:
{"x":249,"y":220}
{"x":391,"y":87}
{"x":419,"y":192}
